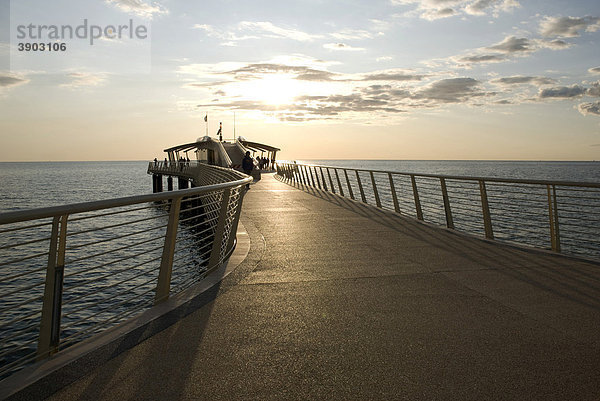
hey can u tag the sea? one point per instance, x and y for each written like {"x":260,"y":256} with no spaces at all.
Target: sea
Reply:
{"x":30,"y":185}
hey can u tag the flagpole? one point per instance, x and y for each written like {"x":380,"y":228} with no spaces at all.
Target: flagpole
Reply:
{"x":206,"y":123}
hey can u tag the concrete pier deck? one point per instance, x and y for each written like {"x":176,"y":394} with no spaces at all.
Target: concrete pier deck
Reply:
{"x":341,"y":301}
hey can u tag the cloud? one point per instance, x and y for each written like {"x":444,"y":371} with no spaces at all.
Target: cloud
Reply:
{"x":512,"y":44}
{"x":496,"y":53}
{"x":436,"y":9}
{"x":262,"y":29}
{"x":352,"y":34}
{"x":594,"y":70}
{"x":342,"y":47}
{"x":10,"y":81}
{"x":393,"y":75}
{"x":589,"y":108}
{"x":273,"y":31}
{"x":84,"y":79}
{"x":209,"y":29}
{"x":568,"y":27}
{"x":563,"y":92}
{"x":433,"y":14}
{"x":255,"y":70}
{"x":519,"y":80}
{"x":451,"y":90}
{"x":297,"y":66}
{"x":482,"y":58}
{"x":230,"y":38}
{"x":556,"y":44}
{"x":138,"y":8}
{"x":480,"y":7}
{"x":384,"y":58}
{"x":594,"y":90}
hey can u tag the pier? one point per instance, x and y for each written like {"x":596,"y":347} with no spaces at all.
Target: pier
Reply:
{"x":340,"y":300}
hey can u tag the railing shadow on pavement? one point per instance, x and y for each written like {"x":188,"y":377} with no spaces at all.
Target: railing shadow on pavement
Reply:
{"x":571,"y":278}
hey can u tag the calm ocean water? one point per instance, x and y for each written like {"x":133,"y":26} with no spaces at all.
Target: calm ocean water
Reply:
{"x":29,"y":185}
{"x":40,"y":184}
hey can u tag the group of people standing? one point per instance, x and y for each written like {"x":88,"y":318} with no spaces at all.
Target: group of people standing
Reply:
{"x":262,"y":162}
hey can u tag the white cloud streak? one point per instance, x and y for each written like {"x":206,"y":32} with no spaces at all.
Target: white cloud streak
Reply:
{"x":568,"y":27}
{"x":436,"y":9}
{"x":342,"y":47}
{"x":84,"y":80}
{"x":139,"y":8}
{"x":270,"y":30}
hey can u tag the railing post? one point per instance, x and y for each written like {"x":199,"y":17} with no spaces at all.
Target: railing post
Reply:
{"x":337,"y":177}
{"x":553,"y":216}
{"x":302,"y":175}
{"x":360,"y":187}
{"x":317,"y":177}
{"x":447,"y":210}
{"x":311,"y":176}
{"x":330,"y":180}
{"x":394,"y":196}
{"x":296,"y":173}
{"x":236,"y":218}
{"x":163,"y":286}
{"x":323,"y":178}
{"x":49,"y":337}
{"x":375,"y":192}
{"x":556,"y":228}
{"x":416,"y":196}
{"x":349,"y":186}
{"x":215,"y":255}
{"x":306,"y":174}
{"x":487,"y":217}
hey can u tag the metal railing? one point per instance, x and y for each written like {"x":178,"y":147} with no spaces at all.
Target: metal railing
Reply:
{"x":561,"y":216}
{"x":72,"y":271}
{"x":189,"y":170}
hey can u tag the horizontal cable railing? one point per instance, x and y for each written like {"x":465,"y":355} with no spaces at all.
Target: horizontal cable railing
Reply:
{"x":557,"y":215}
{"x":69,"y":272}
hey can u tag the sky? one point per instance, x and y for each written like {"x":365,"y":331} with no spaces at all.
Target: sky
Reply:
{"x":354,"y":79}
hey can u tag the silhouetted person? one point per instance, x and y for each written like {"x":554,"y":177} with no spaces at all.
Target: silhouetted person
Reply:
{"x":247,"y":166}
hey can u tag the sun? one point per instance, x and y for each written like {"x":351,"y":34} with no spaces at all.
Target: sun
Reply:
{"x":273,"y":89}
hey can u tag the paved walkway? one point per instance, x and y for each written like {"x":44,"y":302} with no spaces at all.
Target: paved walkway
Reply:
{"x":341,"y":301}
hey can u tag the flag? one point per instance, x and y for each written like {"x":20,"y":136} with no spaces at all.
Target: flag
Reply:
{"x":206,"y":118}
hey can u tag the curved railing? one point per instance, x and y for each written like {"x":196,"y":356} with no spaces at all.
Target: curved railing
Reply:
{"x":72,"y":271}
{"x":199,"y":173}
{"x":562,"y":216}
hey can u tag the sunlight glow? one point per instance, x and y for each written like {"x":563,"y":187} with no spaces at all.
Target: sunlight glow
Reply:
{"x":275,"y":89}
